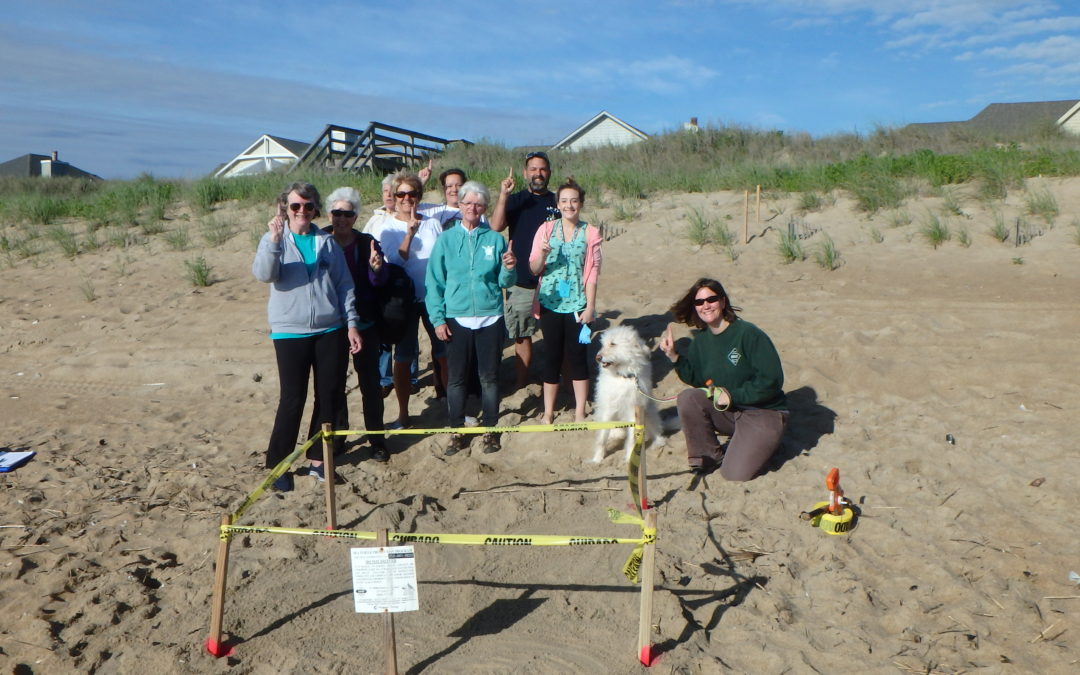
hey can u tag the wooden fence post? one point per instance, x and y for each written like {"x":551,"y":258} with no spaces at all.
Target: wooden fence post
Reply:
{"x":328,"y":471}
{"x":746,"y":216}
{"x":389,"y":639}
{"x":214,"y":644}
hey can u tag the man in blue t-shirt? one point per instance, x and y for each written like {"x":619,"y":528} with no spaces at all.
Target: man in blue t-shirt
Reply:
{"x":522,"y":213}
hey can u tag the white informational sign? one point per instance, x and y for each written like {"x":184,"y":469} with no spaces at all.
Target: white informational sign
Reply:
{"x":384,"y":579}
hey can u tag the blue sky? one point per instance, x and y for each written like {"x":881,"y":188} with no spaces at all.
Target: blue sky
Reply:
{"x":122,"y":87}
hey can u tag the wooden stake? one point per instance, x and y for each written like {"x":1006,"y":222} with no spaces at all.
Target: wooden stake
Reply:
{"x":643,"y":492}
{"x":328,"y":471}
{"x":759,"y":205}
{"x":648,"y":565}
{"x":746,"y":216}
{"x":217,"y":607}
{"x":389,"y":639}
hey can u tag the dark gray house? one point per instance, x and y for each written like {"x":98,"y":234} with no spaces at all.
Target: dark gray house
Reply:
{"x":46,"y":166}
{"x":1015,"y":119}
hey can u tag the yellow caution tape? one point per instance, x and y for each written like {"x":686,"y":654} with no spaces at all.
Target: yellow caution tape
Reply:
{"x":284,"y":464}
{"x":525,"y":428}
{"x":275,"y":473}
{"x":398,"y":538}
{"x":616,"y":516}
{"x":633,"y":565}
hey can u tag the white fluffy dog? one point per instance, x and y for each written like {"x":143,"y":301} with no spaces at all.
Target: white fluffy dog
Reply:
{"x":625,"y":377}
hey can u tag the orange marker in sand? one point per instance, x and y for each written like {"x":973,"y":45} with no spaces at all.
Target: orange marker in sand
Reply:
{"x":836,"y":494}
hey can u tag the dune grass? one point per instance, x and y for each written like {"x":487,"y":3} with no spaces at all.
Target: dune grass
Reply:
{"x":826,"y":255}
{"x":702,"y":230}
{"x":935,"y":230}
{"x":880,"y":171}
{"x":790,"y":248}
{"x":998,"y":229}
{"x":1041,"y":202}
{"x":199,"y":273}
{"x":178,"y":239}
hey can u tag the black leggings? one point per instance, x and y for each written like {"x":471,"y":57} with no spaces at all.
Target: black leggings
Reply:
{"x":327,"y":355}
{"x":561,"y":346}
{"x":366,"y":364}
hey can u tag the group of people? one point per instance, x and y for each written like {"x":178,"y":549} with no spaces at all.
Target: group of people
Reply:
{"x":471,"y":289}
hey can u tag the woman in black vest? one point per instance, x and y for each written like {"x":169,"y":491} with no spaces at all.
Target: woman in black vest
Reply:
{"x":368,"y":267}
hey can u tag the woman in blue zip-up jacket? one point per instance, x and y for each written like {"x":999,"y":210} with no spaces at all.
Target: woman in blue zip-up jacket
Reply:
{"x":313,"y":321}
{"x":469,"y":266}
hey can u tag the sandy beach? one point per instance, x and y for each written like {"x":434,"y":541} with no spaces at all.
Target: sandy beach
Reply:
{"x":149,"y":408}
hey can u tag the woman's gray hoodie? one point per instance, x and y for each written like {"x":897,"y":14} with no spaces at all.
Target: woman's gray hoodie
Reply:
{"x":299,"y":302}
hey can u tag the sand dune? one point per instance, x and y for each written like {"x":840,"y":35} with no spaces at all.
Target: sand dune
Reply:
{"x":150,"y":407}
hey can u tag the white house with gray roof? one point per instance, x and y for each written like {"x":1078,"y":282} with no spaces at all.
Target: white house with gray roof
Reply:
{"x":266,"y":154}
{"x":602,"y":130}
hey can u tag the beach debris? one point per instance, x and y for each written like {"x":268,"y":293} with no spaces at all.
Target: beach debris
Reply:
{"x":1037,"y":482}
{"x":1074,"y":577}
{"x":950,"y":439}
{"x":1023,"y":407}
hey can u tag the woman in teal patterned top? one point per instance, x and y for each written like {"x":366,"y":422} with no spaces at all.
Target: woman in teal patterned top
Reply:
{"x":566,"y":255}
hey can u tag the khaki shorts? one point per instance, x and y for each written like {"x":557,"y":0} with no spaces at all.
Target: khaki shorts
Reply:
{"x":518,"y":312}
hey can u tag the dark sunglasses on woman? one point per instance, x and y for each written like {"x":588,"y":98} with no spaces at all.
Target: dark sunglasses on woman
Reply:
{"x":698,"y":302}
{"x":307,"y":206}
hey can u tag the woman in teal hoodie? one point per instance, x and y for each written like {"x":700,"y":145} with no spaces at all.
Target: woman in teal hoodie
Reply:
{"x":469,"y":266}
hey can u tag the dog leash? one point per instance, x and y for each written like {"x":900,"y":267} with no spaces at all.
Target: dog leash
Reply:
{"x":713,"y":392}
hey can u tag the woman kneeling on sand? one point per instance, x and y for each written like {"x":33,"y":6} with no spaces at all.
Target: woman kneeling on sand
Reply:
{"x":737,"y":361}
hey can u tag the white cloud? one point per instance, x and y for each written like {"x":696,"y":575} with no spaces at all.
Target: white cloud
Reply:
{"x":1059,"y":48}
{"x":664,"y":75}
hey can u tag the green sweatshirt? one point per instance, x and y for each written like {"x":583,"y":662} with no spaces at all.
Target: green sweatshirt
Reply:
{"x":465,"y":274}
{"x":742,"y":359}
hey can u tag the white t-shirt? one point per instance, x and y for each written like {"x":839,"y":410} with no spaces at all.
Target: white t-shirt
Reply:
{"x":377,"y":215}
{"x":444,"y":213}
{"x":391,"y":232}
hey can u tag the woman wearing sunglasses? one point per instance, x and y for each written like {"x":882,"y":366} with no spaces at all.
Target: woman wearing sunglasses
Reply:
{"x":739,"y":385}
{"x":313,"y":321}
{"x":368,"y":268}
{"x":407,"y":240}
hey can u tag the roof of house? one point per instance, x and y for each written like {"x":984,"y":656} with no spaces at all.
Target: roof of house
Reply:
{"x":295,"y":147}
{"x":592,"y":123}
{"x":30,"y":165}
{"x":1009,"y":118}
{"x":248,"y":159}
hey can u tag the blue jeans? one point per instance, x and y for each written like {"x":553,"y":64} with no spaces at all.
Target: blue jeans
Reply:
{"x":386,"y":368}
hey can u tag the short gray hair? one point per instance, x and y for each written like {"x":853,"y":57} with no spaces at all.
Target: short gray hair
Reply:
{"x":344,"y":194}
{"x":474,"y":187}
{"x":387,"y":180}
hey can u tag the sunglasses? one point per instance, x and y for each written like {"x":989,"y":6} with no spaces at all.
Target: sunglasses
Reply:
{"x":541,"y":155}
{"x":307,"y":206}
{"x":402,"y":194}
{"x":698,"y":302}
{"x":339,"y":213}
